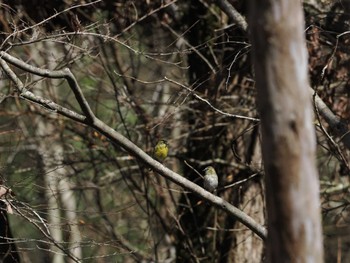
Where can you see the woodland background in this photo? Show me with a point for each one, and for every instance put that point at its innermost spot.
(174, 70)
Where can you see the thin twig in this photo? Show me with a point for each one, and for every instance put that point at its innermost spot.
(240, 182)
(235, 116)
(46, 20)
(134, 150)
(164, 5)
(45, 103)
(55, 74)
(46, 232)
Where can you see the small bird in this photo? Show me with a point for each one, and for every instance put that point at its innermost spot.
(161, 151)
(210, 179)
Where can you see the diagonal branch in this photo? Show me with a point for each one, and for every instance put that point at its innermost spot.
(233, 14)
(46, 103)
(337, 125)
(117, 138)
(55, 74)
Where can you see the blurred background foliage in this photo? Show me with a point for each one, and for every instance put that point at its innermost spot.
(178, 70)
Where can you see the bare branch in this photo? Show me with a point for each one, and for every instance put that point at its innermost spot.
(338, 126)
(44, 230)
(178, 179)
(56, 74)
(235, 116)
(233, 14)
(46, 20)
(47, 104)
(164, 5)
(122, 141)
(194, 49)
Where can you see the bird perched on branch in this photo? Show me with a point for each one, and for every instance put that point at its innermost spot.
(210, 179)
(161, 151)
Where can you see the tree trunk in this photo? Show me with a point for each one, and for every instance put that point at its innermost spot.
(280, 57)
(58, 187)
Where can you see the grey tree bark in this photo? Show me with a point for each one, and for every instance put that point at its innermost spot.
(280, 58)
(58, 190)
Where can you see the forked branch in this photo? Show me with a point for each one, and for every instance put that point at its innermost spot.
(90, 119)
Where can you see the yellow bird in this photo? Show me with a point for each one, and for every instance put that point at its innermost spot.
(210, 179)
(161, 151)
